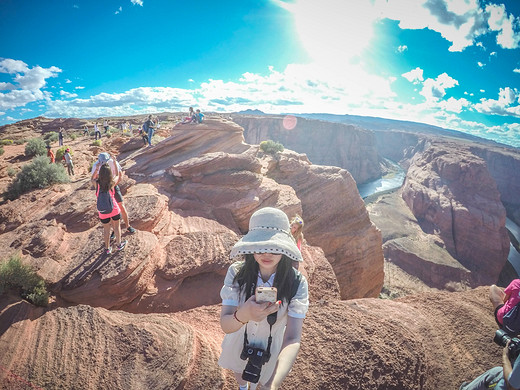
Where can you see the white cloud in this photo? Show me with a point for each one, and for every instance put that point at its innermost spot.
(480, 64)
(119, 10)
(435, 89)
(414, 76)
(12, 66)
(504, 24)
(516, 70)
(191, 80)
(79, 87)
(402, 48)
(138, 2)
(504, 105)
(27, 83)
(68, 94)
(67, 81)
(482, 90)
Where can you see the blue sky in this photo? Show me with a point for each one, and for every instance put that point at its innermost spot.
(449, 63)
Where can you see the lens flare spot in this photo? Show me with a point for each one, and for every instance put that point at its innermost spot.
(289, 122)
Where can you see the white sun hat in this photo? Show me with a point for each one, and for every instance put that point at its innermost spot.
(269, 232)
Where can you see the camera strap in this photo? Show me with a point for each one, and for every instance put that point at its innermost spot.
(271, 319)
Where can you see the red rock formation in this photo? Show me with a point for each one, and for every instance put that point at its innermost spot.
(452, 195)
(335, 220)
(325, 143)
(420, 341)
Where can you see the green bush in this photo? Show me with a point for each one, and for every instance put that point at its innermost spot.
(97, 142)
(51, 137)
(60, 152)
(2, 151)
(73, 136)
(6, 142)
(19, 141)
(39, 173)
(11, 171)
(35, 147)
(14, 275)
(271, 147)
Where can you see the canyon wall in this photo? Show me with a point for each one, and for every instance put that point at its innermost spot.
(325, 143)
(452, 194)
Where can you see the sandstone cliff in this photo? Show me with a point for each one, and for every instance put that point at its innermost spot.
(325, 143)
(453, 196)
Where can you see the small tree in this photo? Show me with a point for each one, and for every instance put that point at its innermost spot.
(61, 152)
(35, 147)
(271, 147)
(16, 276)
(51, 137)
(39, 173)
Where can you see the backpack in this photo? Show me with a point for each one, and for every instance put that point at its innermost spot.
(105, 204)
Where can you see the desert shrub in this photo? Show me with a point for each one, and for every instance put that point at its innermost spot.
(2, 151)
(35, 147)
(19, 141)
(16, 276)
(6, 142)
(39, 173)
(271, 147)
(11, 171)
(97, 142)
(60, 152)
(73, 136)
(51, 137)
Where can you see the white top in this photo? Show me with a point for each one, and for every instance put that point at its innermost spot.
(258, 332)
(113, 164)
(67, 157)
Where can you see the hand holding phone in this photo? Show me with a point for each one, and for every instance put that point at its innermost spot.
(266, 294)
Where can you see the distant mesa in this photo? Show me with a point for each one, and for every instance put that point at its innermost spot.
(251, 112)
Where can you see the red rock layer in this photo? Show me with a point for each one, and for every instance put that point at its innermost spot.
(452, 195)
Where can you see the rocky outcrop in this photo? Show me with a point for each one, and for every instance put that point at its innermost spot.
(325, 143)
(190, 197)
(335, 220)
(419, 341)
(452, 195)
(504, 166)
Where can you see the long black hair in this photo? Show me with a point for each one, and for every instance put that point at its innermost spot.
(283, 280)
(105, 179)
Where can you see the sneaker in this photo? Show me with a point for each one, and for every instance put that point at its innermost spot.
(131, 230)
(112, 236)
(108, 251)
(121, 246)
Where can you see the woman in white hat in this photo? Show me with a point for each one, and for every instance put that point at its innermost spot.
(252, 329)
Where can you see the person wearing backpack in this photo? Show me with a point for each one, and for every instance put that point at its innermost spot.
(108, 209)
(263, 338)
(117, 172)
(504, 303)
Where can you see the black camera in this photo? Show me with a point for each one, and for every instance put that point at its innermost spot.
(256, 358)
(501, 338)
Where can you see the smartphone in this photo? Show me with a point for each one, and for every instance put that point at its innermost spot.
(266, 294)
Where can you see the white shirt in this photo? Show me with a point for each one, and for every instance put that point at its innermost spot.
(258, 332)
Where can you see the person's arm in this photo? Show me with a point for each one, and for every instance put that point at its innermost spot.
(288, 353)
(507, 367)
(232, 317)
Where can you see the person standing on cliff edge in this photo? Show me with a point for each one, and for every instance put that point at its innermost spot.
(263, 335)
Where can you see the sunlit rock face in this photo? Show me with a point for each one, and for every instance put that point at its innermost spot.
(325, 143)
(452, 195)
